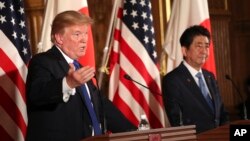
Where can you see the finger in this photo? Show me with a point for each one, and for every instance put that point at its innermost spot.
(86, 78)
(86, 70)
(71, 67)
(87, 73)
(73, 78)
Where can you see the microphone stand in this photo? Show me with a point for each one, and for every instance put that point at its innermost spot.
(129, 78)
(238, 91)
(126, 76)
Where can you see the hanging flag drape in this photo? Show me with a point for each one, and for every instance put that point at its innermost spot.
(14, 55)
(133, 53)
(186, 13)
(53, 7)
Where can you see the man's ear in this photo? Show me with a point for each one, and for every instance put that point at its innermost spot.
(184, 51)
(58, 39)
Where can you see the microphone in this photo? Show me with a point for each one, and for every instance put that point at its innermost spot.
(238, 91)
(126, 76)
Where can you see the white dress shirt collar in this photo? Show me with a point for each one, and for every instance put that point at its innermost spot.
(69, 60)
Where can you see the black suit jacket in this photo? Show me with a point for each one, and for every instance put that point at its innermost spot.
(185, 104)
(49, 117)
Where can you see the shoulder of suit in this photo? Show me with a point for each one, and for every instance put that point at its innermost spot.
(207, 73)
(176, 73)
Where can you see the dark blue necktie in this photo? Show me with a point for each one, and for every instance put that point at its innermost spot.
(204, 91)
(89, 105)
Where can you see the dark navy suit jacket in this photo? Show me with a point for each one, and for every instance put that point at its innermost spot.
(185, 104)
(49, 117)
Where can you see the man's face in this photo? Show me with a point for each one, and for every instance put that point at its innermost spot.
(73, 41)
(198, 52)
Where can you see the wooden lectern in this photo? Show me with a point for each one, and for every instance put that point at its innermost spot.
(221, 133)
(179, 133)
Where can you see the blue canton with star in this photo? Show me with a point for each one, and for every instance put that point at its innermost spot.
(138, 18)
(12, 23)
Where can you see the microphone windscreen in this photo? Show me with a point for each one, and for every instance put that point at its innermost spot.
(127, 77)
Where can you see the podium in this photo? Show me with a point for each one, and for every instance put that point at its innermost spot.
(221, 133)
(180, 133)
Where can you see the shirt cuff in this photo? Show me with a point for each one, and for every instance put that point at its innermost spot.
(66, 90)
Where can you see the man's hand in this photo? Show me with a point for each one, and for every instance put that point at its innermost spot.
(80, 76)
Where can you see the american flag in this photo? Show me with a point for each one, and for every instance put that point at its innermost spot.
(133, 53)
(14, 55)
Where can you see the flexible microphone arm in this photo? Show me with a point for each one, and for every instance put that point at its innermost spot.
(126, 76)
(129, 78)
(238, 91)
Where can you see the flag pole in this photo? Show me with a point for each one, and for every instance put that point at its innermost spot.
(106, 50)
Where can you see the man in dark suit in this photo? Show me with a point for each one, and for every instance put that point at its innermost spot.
(189, 98)
(57, 89)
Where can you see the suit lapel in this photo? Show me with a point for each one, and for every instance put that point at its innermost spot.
(190, 82)
(65, 67)
(93, 95)
(208, 79)
(209, 83)
(61, 60)
(192, 86)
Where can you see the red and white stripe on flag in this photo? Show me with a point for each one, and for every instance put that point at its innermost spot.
(15, 54)
(133, 53)
(13, 119)
(54, 7)
(185, 14)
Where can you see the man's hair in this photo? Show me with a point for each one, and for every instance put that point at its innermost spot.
(188, 35)
(67, 19)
